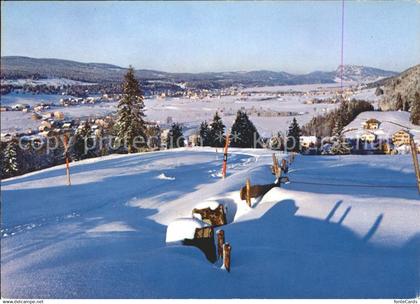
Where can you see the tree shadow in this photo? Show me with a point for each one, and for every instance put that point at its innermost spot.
(311, 258)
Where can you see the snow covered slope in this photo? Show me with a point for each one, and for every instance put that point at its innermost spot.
(390, 122)
(104, 237)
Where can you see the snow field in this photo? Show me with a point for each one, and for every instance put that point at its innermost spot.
(105, 236)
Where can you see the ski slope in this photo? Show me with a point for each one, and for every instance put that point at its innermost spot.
(320, 236)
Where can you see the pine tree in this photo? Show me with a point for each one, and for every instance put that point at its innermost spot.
(205, 134)
(406, 106)
(340, 145)
(217, 129)
(153, 134)
(338, 125)
(175, 137)
(399, 103)
(130, 124)
(244, 134)
(83, 142)
(293, 137)
(10, 164)
(379, 91)
(415, 109)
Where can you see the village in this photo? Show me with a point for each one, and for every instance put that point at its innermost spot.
(366, 135)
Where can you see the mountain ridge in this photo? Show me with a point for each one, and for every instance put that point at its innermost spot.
(13, 67)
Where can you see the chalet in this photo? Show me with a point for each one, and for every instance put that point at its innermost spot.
(368, 137)
(45, 125)
(36, 116)
(193, 140)
(20, 106)
(58, 115)
(67, 125)
(401, 137)
(307, 142)
(47, 115)
(371, 124)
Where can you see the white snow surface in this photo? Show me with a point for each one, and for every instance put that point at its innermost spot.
(183, 228)
(390, 122)
(105, 236)
(191, 112)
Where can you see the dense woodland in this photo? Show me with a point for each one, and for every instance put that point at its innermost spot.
(323, 125)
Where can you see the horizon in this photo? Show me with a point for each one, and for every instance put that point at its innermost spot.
(203, 72)
(197, 37)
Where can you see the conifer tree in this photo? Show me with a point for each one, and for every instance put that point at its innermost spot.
(217, 129)
(338, 125)
(293, 136)
(205, 134)
(130, 124)
(83, 142)
(399, 105)
(175, 137)
(415, 109)
(244, 134)
(406, 106)
(10, 164)
(340, 145)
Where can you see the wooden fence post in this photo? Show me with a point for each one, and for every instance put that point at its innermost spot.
(65, 142)
(415, 161)
(276, 169)
(220, 242)
(248, 192)
(225, 155)
(284, 167)
(226, 256)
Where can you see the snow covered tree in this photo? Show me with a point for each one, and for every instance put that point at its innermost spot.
(293, 136)
(205, 134)
(175, 137)
(338, 125)
(244, 134)
(153, 136)
(10, 164)
(415, 109)
(130, 126)
(340, 145)
(217, 129)
(83, 142)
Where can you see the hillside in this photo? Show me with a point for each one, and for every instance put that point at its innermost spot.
(14, 67)
(391, 122)
(104, 237)
(405, 84)
(362, 74)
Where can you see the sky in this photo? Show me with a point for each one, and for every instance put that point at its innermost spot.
(296, 37)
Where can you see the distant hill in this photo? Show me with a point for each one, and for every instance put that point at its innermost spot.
(15, 67)
(362, 74)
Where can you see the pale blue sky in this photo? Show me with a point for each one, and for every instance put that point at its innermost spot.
(295, 37)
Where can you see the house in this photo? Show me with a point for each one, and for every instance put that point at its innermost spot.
(45, 125)
(307, 142)
(368, 137)
(371, 124)
(401, 137)
(46, 115)
(194, 140)
(58, 115)
(20, 106)
(67, 125)
(35, 116)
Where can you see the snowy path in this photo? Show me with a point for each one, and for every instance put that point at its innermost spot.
(104, 237)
